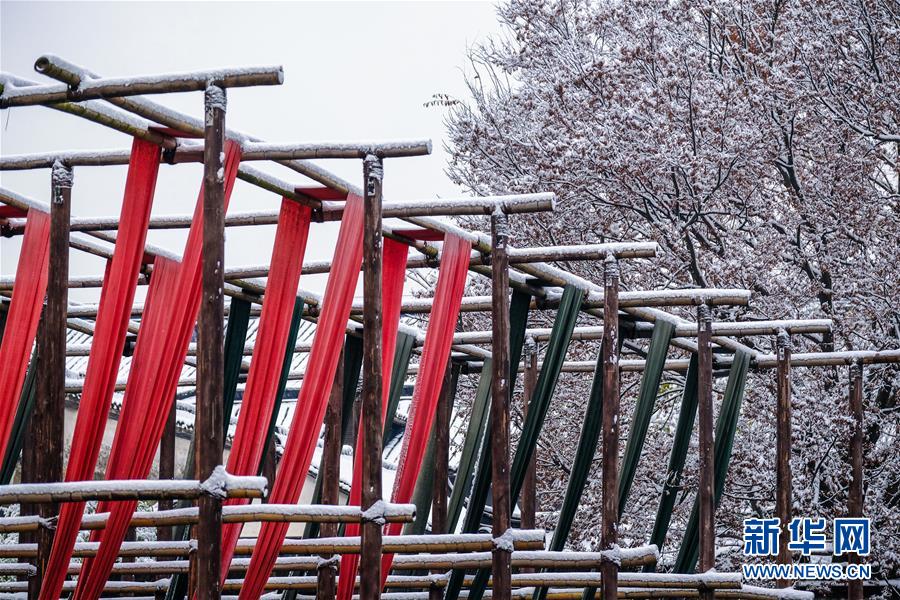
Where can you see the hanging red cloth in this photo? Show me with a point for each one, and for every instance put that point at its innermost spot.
(153, 382)
(393, 276)
(24, 314)
(314, 393)
(271, 338)
(435, 354)
(116, 299)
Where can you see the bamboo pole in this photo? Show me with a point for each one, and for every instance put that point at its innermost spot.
(705, 495)
(856, 496)
(783, 448)
(220, 484)
(632, 557)
(609, 569)
(370, 552)
(117, 87)
(250, 151)
(210, 348)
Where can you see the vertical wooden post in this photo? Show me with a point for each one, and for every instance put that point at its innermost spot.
(609, 569)
(330, 476)
(783, 447)
(502, 509)
(269, 464)
(49, 411)
(211, 348)
(167, 469)
(856, 497)
(529, 485)
(370, 550)
(705, 427)
(442, 452)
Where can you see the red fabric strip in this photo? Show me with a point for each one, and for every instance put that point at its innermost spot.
(393, 276)
(314, 393)
(271, 337)
(24, 314)
(435, 354)
(116, 299)
(12, 212)
(153, 382)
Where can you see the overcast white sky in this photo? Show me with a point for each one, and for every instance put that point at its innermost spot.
(352, 71)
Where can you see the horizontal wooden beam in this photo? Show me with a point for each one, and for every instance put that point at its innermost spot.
(188, 152)
(220, 484)
(140, 85)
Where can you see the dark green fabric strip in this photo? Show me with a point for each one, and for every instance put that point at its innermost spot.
(643, 410)
(235, 339)
(20, 423)
(353, 356)
(726, 428)
(518, 323)
(560, 336)
(581, 467)
(423, 494)
(680, 445)
(398, 379)
(474, 434)
(293, 331)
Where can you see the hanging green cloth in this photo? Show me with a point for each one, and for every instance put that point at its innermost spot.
(560, 336)
(293, 331)
(726, 427)
(353, 358)
(643, 410)
(423, 494)
(474, 434)
(27, 399)
(680, 445)
(402, 353)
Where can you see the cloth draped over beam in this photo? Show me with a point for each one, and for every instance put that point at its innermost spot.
(314, 392)
(726, 428)
(152, 383)
(560, 336)
(393, 276)
(116, 298)
(451, 285)
(22, 321)
(681, 442)
(258, 401)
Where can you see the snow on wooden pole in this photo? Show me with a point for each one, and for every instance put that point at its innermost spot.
(856, 498)
(370, 559)
(500, 392)
(609, 436)
(210, 348)
(705, 427)
(117, 87)
(219, 484)
(783, 447)
(250, 151)
(49, 415)
(330, 477)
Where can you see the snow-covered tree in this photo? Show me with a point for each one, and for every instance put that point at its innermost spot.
(757, 143)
